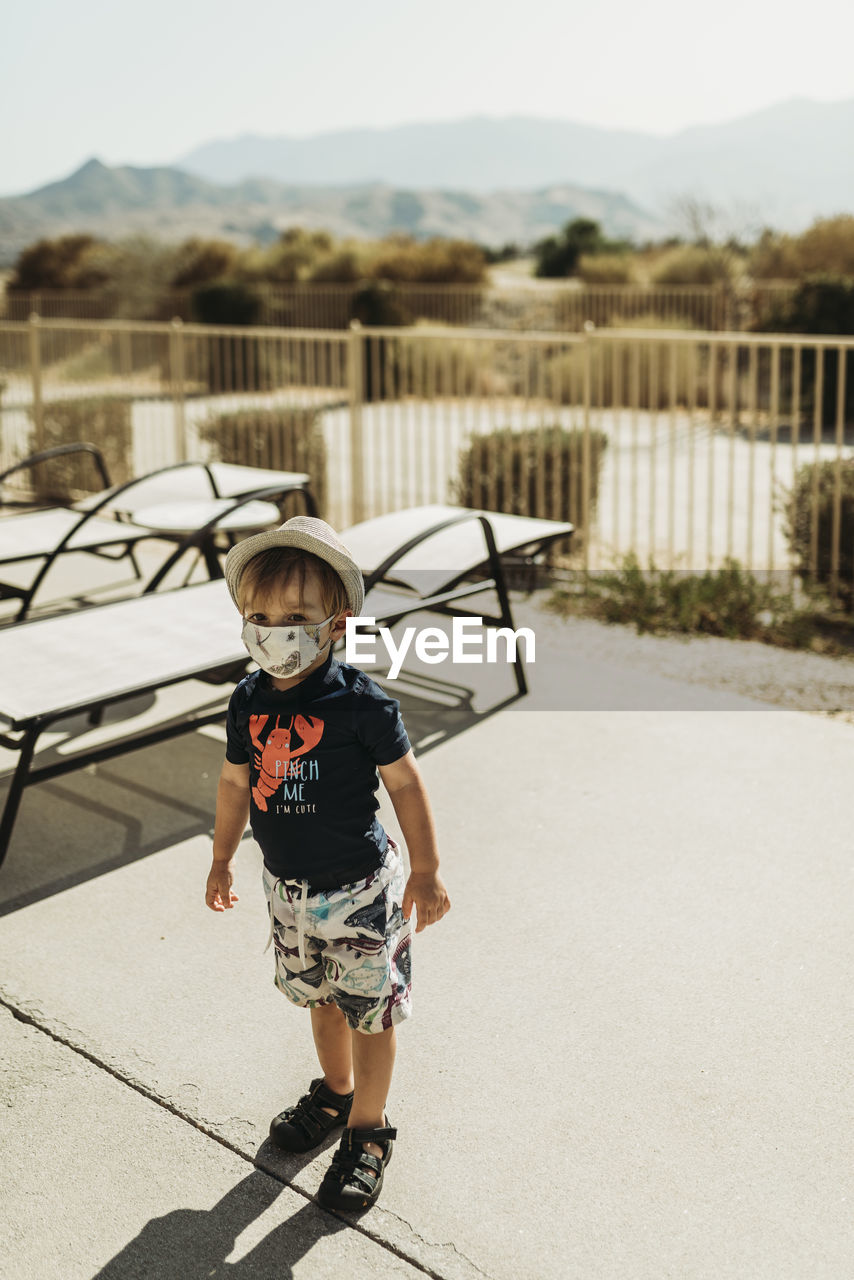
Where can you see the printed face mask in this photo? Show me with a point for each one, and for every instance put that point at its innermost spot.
(284, 651)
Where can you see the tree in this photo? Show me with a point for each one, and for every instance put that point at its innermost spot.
(65, 263)
(558, 255)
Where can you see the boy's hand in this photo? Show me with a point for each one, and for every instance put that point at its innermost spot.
(427, 893)
(219, 895)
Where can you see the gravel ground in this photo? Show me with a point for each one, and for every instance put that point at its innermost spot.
(799, 681)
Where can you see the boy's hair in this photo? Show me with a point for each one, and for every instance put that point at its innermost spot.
(275, 568)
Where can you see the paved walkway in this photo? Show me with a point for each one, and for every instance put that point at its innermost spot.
(632, 1043)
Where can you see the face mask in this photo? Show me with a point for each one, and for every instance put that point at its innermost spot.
(284, 651)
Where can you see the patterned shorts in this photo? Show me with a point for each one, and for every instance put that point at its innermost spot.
(348, 946)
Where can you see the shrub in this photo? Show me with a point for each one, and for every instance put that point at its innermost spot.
(226, 302)
(501, 471)
(288, 438)
(605, 268)
(826, 246)
(634, 372)
(558, 256)
(340, 267)
(230, 363)
(728, 602)
(820, 305)
(64, 263)
(435, 261)
(809, 507)
(198, 262)
(693, 264)
(104, 421)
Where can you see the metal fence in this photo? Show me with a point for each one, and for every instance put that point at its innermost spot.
(686, 448)
(547, 306)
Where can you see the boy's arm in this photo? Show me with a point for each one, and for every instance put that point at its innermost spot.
(424, 888)
(232, 815)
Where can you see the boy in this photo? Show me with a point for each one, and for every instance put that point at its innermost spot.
(305, 738)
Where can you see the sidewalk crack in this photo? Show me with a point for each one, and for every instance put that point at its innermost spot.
(472, 1270)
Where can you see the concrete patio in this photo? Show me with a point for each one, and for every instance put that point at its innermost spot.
(630, 1056)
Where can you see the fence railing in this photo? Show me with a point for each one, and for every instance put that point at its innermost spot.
(545, 306)
(686, 448)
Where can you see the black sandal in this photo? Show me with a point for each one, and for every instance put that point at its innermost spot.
(306, 1125)
(354, 1178)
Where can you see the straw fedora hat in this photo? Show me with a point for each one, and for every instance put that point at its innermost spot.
(307, 533)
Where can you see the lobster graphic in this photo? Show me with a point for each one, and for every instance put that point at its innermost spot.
(273, 756)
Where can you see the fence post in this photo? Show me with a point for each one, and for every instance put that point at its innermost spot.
(36, 377)
(355, 386)
(589, 338)
(176, 371)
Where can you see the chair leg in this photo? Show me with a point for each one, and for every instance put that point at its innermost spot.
(19, 781)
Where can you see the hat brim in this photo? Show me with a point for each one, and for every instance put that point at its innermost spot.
(306, 533)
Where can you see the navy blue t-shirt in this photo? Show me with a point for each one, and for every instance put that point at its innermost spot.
(313, 752)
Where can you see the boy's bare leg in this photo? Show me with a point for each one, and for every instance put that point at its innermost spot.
(333, 1042)
(373, 1064)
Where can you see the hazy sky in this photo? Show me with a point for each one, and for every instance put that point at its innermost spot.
(143, 84)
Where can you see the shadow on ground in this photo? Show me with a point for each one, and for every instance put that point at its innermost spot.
(193, 1244)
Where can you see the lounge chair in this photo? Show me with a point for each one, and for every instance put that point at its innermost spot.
(427, 559)
(164, 638)
(104, 524)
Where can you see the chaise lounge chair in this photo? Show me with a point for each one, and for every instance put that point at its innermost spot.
(187, 503)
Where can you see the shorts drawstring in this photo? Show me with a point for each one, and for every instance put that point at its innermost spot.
(303, 908)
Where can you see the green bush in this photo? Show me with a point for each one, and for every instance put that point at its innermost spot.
(729, 602)
(501, 471)
(808, 508)
(281, 439)
(725, 602)
(821, 305)
(104, 421)
(558, 256)
(226, 302)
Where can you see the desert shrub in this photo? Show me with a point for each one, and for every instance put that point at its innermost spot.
(104, 421)
(826, 246)
(633, 371)
(435, 261)
(342, 266)
(808, 512)
(693, 264)
(377, 304)
(229, 363)
(605, 268)
(501, 471)
(729, 602)
(63, 263)
(820, 305)
(226, 302)
(288, 438)
(197, 262)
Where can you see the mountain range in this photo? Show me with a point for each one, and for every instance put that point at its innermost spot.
(173, 204)
(782, 166)
(489, 180)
